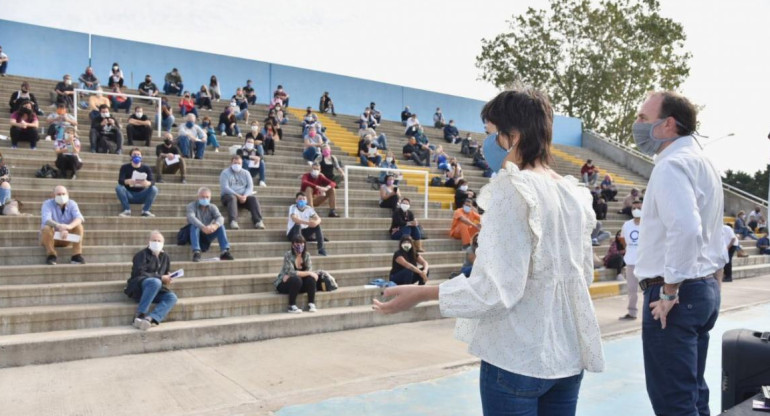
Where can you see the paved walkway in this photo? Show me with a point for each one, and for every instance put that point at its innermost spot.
(258, 378)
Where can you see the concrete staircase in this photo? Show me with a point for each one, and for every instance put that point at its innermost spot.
(67, 312)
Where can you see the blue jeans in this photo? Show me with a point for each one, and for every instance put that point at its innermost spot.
(509, 394)
(151, 293)
(311, 153)
(675, 357)
(211, 139)
(219, 234)
(184, 112)
(5, 195)
(170, 89)
(125, 105)
(365, 160)
(413, 232)
(259, 171)
(3, 67)
(467, 271)
(145, 196)
(167, 123)
(382, 141)
(184, 146)
(223, 128)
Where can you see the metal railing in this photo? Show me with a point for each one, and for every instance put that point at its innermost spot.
(79, 91)
(753, 198)
(368, 169)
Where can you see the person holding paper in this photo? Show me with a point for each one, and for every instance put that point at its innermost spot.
(61, 225)
(150, 283)
(68, 153)
(168, 161)
(206, 222)
(136, 185)
(252, 160)
(237, 189)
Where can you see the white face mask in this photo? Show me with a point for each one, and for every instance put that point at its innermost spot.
(463, 187)
(156, 246)
(637, 213)
(236, 168)
(406, 246)
(314, 173)
(62, 199)
(68, 82)
(389, 159)
(255, 129)
(139, 114)
(405, 207)
(106, 115)
(249, 146)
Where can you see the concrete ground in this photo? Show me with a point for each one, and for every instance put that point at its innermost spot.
(262, 377)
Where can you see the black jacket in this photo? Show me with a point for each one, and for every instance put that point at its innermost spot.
(146, 266)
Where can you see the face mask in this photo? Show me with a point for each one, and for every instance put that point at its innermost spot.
(494, 153)
(389, 159)
(314, 173)
(249, 146)
(138, 114)
(62, 199)
(466, 208)
(136, 159)
(68, 82)
(189, 124)
(301, 204)
(406, 246)
(167, 142)
(106, 115)
(389, 182)
(61, 111)
(644, 139)
(204, 202)
(147, 80)
(115, 68)
(326, 153)
(404, 207)
(637, 213)
(156, 246)
(255, 128)
(311, 134)
(463, 188)
(298, 247)
(24, 90)
(236, 168)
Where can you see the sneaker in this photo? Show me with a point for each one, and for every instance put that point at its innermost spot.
(48, 138)
(226, 255)
(311, 307)
(159, 180)
(138, 318)
(125, 214)
(234, 225)
(620, 278)
(196, 256)
(216, 150)
(142, 324)
(262, 184)
(294, 309)
(333, 213)
(77, 259)
(50, 260)
(322, 252)
(119, 152)
(74, 177)
(259, 225)
(148, 214)
(184, 181)
(627, 317)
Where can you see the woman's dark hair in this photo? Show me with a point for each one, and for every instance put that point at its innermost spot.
(407, 200)
(529, 113)
(213, 80)
(299, 239)
(412, 252)
(460, 183)
(681, 109)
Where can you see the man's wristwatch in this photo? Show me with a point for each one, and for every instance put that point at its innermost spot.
(664, 296)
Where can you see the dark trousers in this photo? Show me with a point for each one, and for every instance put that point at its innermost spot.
(390, 202)
(601, 211)
(3, 67)
(421, 158)
(28, 135)
(269, 145)
(627, 211)
(138, 133)
(406, 277)
(297, 285)
(231, 206)
(609, 194)
(307, 233)
(94, 136)
(728, 277)
(161, 168)
(616, 262)
(67, 164)
(675, 357)
(414, 232)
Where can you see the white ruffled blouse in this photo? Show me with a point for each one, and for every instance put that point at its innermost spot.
(526, 303)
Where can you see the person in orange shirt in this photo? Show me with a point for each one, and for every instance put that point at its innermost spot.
(466, 223)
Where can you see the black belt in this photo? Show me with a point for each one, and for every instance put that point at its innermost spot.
(655, 281)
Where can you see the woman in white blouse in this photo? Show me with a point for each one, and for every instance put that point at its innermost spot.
(526, 309)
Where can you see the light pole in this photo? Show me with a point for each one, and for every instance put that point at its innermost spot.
(718, 139)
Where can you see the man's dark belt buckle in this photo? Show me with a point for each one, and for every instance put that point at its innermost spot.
(644, 284)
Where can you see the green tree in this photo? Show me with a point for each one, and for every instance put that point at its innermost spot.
(596, 60)
(755, 185)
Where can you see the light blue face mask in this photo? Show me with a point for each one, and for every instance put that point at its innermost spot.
(494, 153)
(645, 140)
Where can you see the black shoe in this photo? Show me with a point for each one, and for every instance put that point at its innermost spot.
(226, 255)
(322, 252)
(196, 256)
(727, 280)
(333, 214)
(77, 259)
(627, 317)
(326, 239)
(159, 180)
(50, 260)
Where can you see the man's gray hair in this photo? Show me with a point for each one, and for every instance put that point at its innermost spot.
(153, 232)
(203, 189)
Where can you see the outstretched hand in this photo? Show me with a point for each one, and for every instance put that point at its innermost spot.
(404, 298)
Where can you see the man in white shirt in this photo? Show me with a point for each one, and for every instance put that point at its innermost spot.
(754, 217)
(629, 236)
(679, 255)
(732, 245)
(304, 220)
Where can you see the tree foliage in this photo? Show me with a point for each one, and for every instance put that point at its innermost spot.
(596, 60)
(755, 185)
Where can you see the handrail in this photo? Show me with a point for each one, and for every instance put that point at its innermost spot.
(752, 197)
(421, 172)
(141, 97)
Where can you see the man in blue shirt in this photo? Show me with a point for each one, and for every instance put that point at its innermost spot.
(61, 225)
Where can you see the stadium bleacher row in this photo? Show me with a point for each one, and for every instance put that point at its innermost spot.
(66, 312)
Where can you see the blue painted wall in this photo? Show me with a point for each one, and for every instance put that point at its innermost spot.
(34, 54)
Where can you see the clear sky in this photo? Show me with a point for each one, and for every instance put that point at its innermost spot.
(432, 44)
